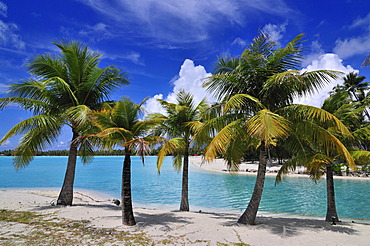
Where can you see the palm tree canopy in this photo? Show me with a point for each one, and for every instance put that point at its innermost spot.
(119, 124)
(254, 86)
(267, 73)
(61, 90)
(62, 81)
(178, 124)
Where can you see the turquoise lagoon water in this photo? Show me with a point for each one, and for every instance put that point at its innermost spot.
(207, 190)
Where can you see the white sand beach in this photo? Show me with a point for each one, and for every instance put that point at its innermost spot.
(95, 220)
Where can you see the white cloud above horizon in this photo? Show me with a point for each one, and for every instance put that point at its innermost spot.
(359, 45)
(97, 32)
(315, 52)
(275, 31)
(189, 79)
(3, 9)
(329, 62)
(8, 144)
(133, 56)
(8, 31)
(196, 18)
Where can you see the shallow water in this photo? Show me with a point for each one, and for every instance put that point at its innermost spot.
(207, 190)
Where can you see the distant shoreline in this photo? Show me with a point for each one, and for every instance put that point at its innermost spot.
(247, 168)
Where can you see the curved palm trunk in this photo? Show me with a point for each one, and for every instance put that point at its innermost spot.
(127, 212)
(249, 215)
(331, 213)
(184, 206)
(66, 193)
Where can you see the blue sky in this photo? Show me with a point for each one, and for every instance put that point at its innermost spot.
(168, 45)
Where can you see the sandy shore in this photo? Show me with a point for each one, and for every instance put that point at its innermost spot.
(95, 220)
(219, 165)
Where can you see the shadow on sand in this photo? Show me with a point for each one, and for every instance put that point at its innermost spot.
(284, 227)
(289, 227)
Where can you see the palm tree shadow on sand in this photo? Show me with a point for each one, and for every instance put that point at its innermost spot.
(290, 227)
(285, 227)
(161, 219)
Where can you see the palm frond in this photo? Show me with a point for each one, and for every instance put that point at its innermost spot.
(40, 122)
(224, 136)
(35, 106)
(317, 165)
(171, 146)
(297, 113)
(325, 140)
(268, 126)
(39, 136)
(242, 102)
(361, 157)
(79, 114)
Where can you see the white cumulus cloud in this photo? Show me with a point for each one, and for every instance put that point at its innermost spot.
(354, 46)
(330, 62)
(190, 79)
(275, 31)
(315, 52)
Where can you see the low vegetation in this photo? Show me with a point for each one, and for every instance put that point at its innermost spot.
(31, 228)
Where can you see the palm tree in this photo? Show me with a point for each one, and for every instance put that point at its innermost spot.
(255, 85)
(61, 90)
(349, 103)
(178, 125)
(314, 143)
(119, 125)
(355, 86)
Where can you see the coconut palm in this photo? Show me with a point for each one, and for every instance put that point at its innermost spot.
(61, 90)
(256, 84)
(119, 125)
(349, 103)
(314, 142)
(355, 85)
(177, 124)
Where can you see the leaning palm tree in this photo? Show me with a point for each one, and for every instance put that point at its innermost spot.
(177, 124)
(61, 90)
(119, 125)
(255, 85)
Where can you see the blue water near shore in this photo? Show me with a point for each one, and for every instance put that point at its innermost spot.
(207, 190)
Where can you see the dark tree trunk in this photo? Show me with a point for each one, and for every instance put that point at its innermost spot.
(184, 206)
(66, 193)
(249, 215)
(127, 212)
(331, 213)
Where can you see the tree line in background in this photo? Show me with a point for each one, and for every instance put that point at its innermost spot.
(112, 152)
(254, 118)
